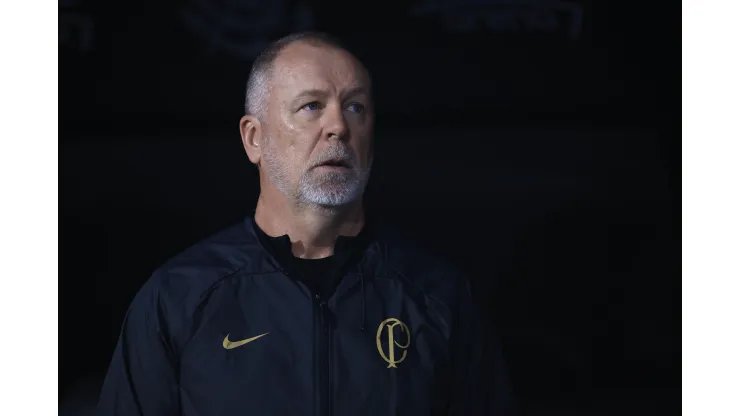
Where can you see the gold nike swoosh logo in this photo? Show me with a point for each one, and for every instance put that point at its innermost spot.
(229, 345)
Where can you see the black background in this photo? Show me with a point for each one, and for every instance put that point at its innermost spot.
(539, 154)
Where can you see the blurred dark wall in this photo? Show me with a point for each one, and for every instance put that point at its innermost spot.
(541, 139)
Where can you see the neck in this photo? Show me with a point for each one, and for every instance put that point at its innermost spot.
(312, 230)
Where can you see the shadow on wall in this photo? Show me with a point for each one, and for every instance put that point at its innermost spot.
(81, 398)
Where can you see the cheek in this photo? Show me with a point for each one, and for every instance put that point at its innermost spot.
(297, 157)
(299, 141)
(363, 146)
(285, 152)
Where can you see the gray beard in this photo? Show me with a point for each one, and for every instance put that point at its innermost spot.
(315, 188)
(332, 189)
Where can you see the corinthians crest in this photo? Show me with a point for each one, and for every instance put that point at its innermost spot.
(397, 337)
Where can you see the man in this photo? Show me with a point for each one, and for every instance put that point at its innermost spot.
(311, 307)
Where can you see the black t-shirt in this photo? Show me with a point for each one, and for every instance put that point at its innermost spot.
(321, 276)
(315, 272)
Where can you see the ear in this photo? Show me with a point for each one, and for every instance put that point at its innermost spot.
(251, 131)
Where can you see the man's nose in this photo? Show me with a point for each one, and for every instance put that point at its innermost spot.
(336, 126)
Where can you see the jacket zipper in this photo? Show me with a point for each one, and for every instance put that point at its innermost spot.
(322, 357)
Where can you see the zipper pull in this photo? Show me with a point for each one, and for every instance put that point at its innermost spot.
(321, 301)
(322, 304)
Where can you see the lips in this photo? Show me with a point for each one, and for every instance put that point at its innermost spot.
(335, 163)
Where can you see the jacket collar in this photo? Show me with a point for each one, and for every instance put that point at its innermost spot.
(348, 251)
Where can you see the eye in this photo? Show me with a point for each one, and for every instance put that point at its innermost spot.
(356, 107)
(312, 106)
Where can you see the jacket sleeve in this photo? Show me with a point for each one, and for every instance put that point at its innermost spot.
(480, 379)
(142, 378)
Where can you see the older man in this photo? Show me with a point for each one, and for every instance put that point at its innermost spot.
(309, 306)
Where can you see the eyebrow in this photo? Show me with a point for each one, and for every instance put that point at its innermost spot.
(359, 90)
(314, 92)
(309, 93)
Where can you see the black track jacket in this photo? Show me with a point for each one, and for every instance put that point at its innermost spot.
(226, 328)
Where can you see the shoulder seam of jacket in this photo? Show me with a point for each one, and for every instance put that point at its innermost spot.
(205, 294)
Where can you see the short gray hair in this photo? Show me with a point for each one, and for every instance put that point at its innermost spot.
(259, 76)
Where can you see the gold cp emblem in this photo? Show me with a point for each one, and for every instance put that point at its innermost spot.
(391, 323)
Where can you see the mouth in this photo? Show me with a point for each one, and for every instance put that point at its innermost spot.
(335, 163)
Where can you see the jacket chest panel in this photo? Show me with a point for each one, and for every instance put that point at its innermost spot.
(253, 346)
(401, 356)
(257, 342)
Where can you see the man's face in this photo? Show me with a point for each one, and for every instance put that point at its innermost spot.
(318, 131)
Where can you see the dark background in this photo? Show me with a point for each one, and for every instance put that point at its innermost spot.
(534, 143)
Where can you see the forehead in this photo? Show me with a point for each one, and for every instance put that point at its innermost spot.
(303, 66)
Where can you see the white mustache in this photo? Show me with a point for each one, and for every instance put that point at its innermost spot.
(344, 154)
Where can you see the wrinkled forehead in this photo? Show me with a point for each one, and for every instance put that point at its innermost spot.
(302, 66)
